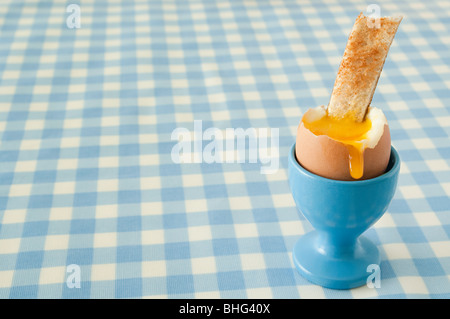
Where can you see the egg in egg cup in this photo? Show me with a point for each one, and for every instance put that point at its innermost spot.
(336, 254)
(343, 170)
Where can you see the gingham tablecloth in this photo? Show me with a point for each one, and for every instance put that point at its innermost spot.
(86, 174)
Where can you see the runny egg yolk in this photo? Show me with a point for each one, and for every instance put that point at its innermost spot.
(350, 133)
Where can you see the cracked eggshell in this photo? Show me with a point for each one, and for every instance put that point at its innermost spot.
(329, 158)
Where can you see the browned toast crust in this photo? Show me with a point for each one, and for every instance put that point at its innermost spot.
(361, 66)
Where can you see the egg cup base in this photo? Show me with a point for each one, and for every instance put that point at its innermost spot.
(345, 271)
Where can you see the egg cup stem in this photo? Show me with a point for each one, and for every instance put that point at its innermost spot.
(336, 254)
(335, 246)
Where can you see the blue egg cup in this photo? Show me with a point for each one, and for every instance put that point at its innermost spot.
(336, 255)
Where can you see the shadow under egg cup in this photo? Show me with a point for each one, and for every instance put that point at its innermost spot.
(336, 255)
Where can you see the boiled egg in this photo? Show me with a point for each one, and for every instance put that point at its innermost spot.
(343, 149)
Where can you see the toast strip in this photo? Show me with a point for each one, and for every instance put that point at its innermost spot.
(361, 66)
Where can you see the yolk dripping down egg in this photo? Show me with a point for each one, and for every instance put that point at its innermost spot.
(343, 149)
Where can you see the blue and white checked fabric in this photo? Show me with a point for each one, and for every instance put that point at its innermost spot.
(86, 175)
